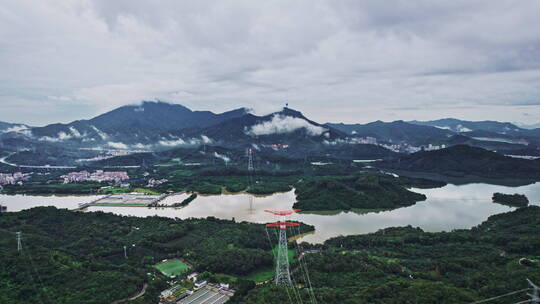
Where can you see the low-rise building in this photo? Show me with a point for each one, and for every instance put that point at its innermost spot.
(98, 176)
(13, 178)
(193, 276)
(156, 182)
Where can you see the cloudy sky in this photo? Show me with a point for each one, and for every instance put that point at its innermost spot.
(351, 61)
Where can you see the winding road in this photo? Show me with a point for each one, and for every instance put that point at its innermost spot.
(138, 295)
(4, 161)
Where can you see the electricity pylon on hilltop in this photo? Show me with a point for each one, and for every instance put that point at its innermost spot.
(19, 243)
(283, 275)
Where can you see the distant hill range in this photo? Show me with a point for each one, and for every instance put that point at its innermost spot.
(463, 160)
(134, 125)
(486, 130)
(6, 127)
(460, 126)
(154, 126)
(396, 131)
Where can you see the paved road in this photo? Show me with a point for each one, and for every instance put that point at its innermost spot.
(138, 295)
(4, 161)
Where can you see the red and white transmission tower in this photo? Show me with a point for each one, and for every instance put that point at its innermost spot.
(283, 275)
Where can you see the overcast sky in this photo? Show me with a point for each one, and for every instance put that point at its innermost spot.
(350, 61)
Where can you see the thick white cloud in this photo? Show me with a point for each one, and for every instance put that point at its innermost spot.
(176, 141)
(335, 60)
(172, 142)
(17, 128)
(280, 124)
(117, 145)
(223, 157)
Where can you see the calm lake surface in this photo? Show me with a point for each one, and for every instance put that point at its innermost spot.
(447, 208)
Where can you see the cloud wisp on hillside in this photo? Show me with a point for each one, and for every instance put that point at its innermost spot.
(280, 124)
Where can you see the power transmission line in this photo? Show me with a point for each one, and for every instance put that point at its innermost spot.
(303, 263)
(526, 301)
(534, 296)
(501, 296)
(33, 266)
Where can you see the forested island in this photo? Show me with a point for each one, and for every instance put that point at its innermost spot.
(463, 160)
(379, 191)
(514, 200)
(186, 201)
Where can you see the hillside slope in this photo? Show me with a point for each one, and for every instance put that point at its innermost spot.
(463, 160)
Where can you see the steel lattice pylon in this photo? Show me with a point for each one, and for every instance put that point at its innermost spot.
(283, 275)
(19, 244)
(250, 159)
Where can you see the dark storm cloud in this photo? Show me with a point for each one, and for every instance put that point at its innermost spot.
(335, 60)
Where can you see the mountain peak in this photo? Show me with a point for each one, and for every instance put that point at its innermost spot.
(290, 112)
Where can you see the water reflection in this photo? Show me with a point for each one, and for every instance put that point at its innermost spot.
(20, 202)
(447, 208)
(227, 206)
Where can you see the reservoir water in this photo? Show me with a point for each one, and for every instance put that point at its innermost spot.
(446, 208)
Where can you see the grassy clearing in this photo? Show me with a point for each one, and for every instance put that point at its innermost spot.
(267, 273)
(120, 204)
(260, 275)
(145, 191)
(117, 190)
(172, 267)
(114, 190)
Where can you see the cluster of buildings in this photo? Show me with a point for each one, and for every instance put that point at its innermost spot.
(276, 147)
(406, 148)
(156, 182)
(401, 147)
(98, 176)
(202, 293)
(108, 154)
(365, 140)
(13, 178)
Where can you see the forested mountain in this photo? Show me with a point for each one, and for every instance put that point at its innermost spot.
(286, 127)
(396, 131)
(457, 125)
(12, 127)
(159, 126)
(463, 160)
(486, 130)
(135, 124)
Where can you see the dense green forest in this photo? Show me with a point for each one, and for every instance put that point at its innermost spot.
(514, 200)
(407, 265)
(76, 257)
(369, 191)
(462, 160)
(186, 201)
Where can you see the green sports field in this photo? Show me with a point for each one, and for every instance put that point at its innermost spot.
(172, 267)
